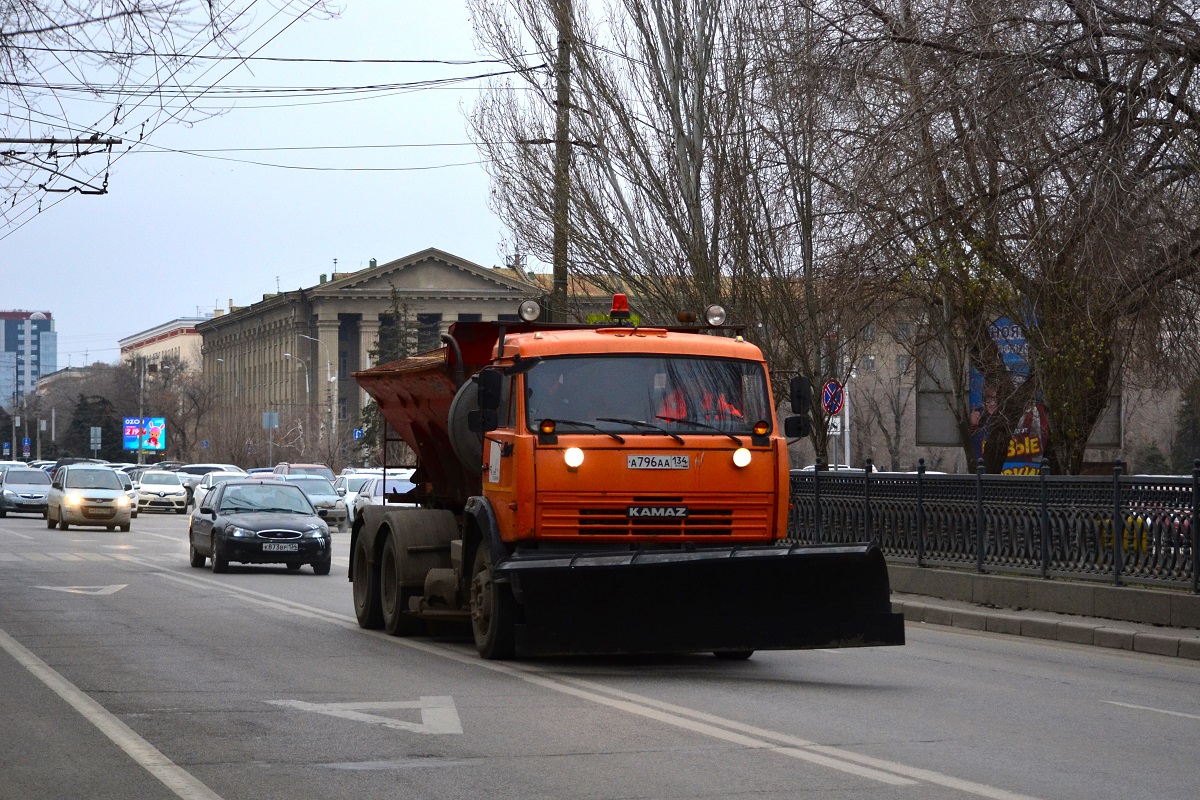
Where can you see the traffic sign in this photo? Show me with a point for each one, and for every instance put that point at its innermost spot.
(7, 448)
(832, 397)
(359, 433)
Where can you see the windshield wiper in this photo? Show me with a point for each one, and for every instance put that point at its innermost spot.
(596, 428)
(705, 425)
(641, 424)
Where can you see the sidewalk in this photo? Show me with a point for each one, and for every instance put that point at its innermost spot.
(1179, 642)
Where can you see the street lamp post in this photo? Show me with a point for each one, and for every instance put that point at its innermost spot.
(330, 383)
(300, 361)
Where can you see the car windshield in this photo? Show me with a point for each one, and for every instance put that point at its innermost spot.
(26, 477)
(355, 482)
(161, 479)
(215, 479)
(91, 479)
(263, 497)
(706, 396)
(324, 472)
(313, 486)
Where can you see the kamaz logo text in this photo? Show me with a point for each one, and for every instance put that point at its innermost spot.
(674, 512)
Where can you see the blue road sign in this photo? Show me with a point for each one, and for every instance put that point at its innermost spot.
(832, 397)
(359, 433)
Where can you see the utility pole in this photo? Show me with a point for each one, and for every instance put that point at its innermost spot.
(562, 160)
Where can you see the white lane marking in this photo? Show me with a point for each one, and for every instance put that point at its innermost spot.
(885, 771)
(9, 557)
(66, 556)
(11, 532)
(178, 780)
(94, 590)
(438, 714)
(37, 557)
(1148, 708)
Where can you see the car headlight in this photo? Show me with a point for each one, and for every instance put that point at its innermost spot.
(316, 532)
(240, 533)
(122, 502)
(72, 500)
(340, 504)
(9, 493)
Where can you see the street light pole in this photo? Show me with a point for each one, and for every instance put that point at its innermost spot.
(330, 382)
(300, 361)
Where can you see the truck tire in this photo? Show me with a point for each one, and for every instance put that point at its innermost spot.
(366, 589)
(393, 598)
(493, 610)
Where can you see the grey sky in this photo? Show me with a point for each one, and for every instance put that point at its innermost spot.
(178, 234)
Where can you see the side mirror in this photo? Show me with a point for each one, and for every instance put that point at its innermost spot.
(797, 427)
(208, 510)
(341, 492)
(56, 485)
(802, 395)
(489, 382)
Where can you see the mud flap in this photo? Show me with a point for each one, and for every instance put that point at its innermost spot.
(679, 601)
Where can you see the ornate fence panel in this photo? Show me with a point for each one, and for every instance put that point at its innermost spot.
(1136, 529)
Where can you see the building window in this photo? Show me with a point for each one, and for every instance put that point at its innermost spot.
(429, 328)
(903, 331)
(868, 332)
(868, 363)
(470, 317)
(343, 409)
(902, 363)
(507, 318)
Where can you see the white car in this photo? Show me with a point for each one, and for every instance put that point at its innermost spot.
(371, 493)
(87, 494)
(159, 490)
(208, 482)
(352, 481)
(130, 492)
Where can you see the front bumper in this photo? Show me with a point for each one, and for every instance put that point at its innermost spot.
(251, 551)
(95, 514)
(152, 502)
(23, 505)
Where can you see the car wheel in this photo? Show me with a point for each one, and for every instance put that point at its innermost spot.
(125, 528)
(110, 527)
(195, 558)
(294, 566)
(133, 515)
(393, 598)
(50, 523)
(366, 589)
(181, 511)
(493, 610)
(3, 512)
(322, 567)
(63, 525)
(219, 564)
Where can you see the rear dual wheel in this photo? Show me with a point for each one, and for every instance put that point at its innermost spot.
(393, 598)
(365, 582)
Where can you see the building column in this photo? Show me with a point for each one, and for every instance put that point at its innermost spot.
(327, 353)
(368, 339)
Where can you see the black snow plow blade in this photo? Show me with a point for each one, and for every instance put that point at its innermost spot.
(721, 600)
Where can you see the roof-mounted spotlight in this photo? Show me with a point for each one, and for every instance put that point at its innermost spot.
(529, 311)
(686, 317)
(715, 316)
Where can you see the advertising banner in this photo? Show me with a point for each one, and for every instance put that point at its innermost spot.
(152, 432)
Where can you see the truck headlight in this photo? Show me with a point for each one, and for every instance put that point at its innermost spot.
(573, 456)
(741, 457)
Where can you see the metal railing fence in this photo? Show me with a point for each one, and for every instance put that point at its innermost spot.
(1121, 529)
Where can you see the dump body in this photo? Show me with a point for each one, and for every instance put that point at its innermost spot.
(629, 495)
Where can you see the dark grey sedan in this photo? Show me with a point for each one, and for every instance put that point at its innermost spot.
(259, 522)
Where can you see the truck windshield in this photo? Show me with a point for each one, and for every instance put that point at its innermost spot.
(697, 396)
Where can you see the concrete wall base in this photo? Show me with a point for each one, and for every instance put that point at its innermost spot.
(1175, 609)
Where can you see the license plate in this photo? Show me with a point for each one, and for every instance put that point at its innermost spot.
(658, 462)
(287, 547)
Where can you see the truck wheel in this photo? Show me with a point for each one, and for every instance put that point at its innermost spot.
(366, 589)
(393, 598)
(493, 610)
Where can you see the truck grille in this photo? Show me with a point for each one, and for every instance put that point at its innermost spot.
(645, 517)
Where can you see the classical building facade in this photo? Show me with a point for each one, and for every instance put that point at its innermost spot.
(295, 352)
(175, 341)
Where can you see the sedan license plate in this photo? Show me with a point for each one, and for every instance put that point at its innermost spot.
(287, 547)
(658, 462)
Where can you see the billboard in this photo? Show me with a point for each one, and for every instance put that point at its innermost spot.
(150, 433)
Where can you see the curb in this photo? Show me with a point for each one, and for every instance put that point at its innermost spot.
(1056, 627)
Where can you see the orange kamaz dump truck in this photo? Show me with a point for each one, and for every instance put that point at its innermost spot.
(602, 489)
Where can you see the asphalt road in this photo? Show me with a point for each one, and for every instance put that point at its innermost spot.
(125, 673)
